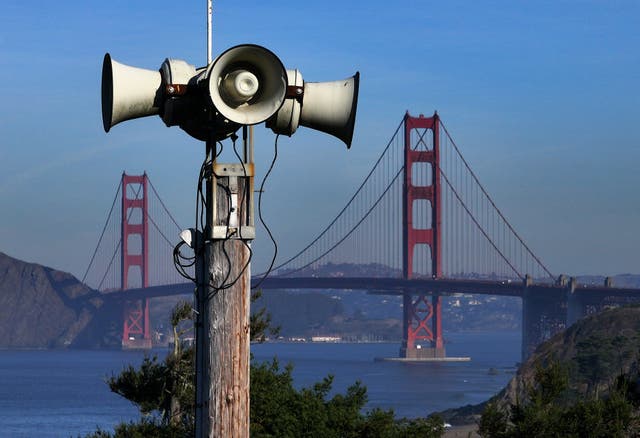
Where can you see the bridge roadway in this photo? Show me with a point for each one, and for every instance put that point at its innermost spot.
(393, 286)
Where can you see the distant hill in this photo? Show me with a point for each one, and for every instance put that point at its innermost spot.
(307, 314)
(39, 308)
(620, 280)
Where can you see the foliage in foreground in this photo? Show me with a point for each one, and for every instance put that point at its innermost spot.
(163, 391)
(278, 409)
(547, 413)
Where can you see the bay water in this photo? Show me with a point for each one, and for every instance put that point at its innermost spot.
(62, 393)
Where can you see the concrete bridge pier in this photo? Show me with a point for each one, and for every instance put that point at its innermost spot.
(544, 313)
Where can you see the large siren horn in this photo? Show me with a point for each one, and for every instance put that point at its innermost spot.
(128, 92)
(324, 106)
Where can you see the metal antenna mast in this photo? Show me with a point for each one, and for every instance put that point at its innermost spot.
(209, 31)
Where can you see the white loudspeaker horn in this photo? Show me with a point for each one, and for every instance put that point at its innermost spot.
(324, 106)
(128, 92)
(247, 84)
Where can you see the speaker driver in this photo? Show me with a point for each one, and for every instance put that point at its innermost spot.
(247, 84)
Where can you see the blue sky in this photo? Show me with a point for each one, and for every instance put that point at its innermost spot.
(542, 97)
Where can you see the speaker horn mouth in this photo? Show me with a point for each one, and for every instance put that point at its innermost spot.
(247, 84)
(352, 117)
(107, 92)
(128, 92)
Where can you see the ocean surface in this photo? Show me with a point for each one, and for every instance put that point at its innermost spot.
(62, 393)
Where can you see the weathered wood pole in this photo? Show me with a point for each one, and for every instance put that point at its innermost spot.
(227, 328)
(222, 351)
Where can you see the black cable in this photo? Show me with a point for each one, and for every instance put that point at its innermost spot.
(178, 265)
(348, 204)
(225, 284)
(246, 186)
(201, 208)
(199, 211)
(266, 227)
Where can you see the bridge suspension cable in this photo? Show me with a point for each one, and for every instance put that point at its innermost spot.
(104, 228)
(495, 207)
(119, 244)
(370, 220)
(109, 246)
(475, 221)
(373, 206)
(344, 209)
(163, 205)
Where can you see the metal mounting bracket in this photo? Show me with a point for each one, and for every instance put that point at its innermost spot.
(232, 215)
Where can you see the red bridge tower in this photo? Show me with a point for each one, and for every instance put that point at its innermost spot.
(134, 257)
(422, 312)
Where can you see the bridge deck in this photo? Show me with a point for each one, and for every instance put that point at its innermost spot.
(387, 286)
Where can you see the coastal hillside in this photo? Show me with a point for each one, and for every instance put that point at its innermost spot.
(39, 306)
(594, 352)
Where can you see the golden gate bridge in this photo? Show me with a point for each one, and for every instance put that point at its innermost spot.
(420, 225)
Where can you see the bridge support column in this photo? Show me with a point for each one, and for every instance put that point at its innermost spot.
(136, 331)
(544, 313)
(576, 306)
(422, 313)
(422, 333)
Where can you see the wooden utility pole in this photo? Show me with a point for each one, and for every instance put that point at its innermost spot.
(223, 302)
(225, 357)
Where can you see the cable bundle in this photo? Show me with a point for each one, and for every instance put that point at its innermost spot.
(183, 263)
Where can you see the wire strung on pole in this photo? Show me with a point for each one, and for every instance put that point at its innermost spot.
(342, 212)
(182, 262)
